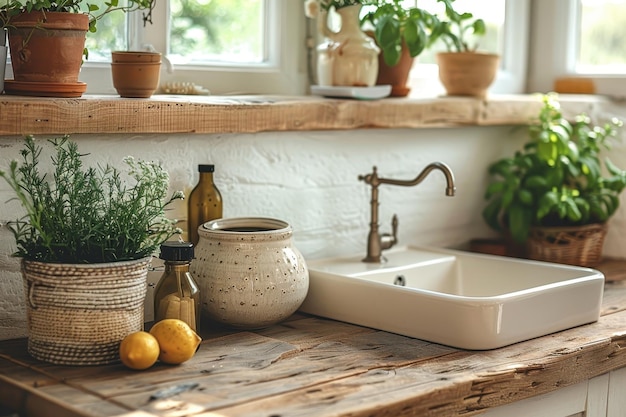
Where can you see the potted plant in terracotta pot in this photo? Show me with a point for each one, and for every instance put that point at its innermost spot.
(555, 195)
(402, 34)
(463, 70)
(39, 30)
(85, 241)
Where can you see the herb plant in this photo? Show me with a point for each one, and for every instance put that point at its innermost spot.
(558, 178)
(454, 32)
(395, 24)
(88, 215)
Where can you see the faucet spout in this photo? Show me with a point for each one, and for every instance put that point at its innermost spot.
(376, 241)
(445, 169)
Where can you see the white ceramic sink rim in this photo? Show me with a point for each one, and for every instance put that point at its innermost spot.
(475, 311)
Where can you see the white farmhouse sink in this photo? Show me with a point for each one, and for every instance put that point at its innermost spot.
(455, 298)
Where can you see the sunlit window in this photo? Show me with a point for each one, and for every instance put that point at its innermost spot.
(217, 31)
(602, 49)
(200, 32)
(111, 35)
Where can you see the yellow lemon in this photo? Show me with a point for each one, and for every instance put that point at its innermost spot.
(177, 341)
(139, 350)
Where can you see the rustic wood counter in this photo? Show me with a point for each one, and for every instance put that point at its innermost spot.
(309, 366)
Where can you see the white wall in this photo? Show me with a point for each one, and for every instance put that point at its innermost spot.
(310, 180)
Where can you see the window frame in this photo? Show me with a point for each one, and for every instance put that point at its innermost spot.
(554, 45)
(283, 73)
(511, 77)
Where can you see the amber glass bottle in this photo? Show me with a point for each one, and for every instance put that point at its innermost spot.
(177, 295)
(204, 204)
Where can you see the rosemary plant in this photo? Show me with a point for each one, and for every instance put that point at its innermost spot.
(88, 215)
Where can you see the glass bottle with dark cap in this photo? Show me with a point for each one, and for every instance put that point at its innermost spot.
(177, 295)
(204, 204)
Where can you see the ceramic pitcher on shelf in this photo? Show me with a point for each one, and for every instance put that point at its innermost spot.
(347, 57)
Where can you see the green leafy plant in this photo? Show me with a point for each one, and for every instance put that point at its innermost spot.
(454, 32)
(87, 215)
(394, 24)
(11, 8)
(558, 178)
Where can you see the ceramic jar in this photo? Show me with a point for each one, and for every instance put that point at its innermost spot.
(249, 272)
(348, 57)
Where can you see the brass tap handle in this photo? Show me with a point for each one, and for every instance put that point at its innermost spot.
(388, 240)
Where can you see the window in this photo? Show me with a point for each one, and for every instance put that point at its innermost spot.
(507, 34)
(226, 46)
(579, 38)
(601, 48)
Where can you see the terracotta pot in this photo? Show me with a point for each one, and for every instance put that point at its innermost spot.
(136, 74)
(249, 272)
(398, 75)
(47, 47)
(467, 73)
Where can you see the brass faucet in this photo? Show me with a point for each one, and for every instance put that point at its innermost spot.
(377, 242)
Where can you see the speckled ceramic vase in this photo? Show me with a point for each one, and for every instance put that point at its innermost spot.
(250, 274)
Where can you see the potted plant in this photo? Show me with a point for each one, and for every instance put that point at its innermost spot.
(402, 34)
(555, 195)
(462, 69)
(47, 42)
(85, 242)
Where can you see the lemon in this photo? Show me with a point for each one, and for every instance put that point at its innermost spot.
(177, 341)
(139, 350)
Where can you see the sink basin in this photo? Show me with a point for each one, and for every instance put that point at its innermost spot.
(455, 298)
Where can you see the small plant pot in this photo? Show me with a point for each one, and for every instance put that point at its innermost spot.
(135, 74)
(467, 73)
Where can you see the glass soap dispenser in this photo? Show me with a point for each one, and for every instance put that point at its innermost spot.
(204, 204)
(177, 295)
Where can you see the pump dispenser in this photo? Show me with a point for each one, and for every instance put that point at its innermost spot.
(177, 295)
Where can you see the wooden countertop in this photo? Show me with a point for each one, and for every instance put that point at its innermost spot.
(316, 367)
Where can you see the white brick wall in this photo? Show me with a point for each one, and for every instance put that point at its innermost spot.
(310, 180)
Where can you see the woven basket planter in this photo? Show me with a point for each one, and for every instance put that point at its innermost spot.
(78, 314)
(581, 246)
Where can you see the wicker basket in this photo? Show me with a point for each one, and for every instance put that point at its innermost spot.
(581, 246)
(78, 314)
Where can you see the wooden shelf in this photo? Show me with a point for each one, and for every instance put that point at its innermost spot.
(245, 114)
